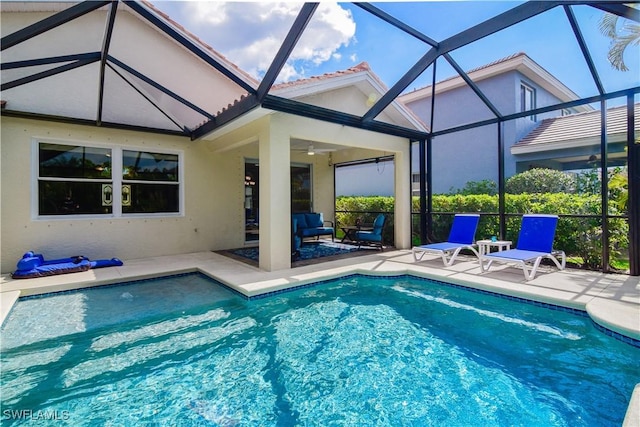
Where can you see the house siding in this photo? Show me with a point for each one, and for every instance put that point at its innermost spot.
(475, 151)
(205, 224)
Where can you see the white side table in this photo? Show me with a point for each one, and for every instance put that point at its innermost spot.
(484, 246)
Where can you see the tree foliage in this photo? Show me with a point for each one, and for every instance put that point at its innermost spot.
(579, 233)
(622, 34)
(540, 181)
(486, 186)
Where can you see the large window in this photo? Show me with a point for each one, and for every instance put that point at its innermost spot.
(74, 180)
(88, 180)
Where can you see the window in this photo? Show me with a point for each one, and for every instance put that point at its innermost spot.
(89, 180)
(149, 182)
(72, 180)
(527, 99)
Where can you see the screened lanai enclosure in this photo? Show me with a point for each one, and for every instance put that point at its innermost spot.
(518, 107)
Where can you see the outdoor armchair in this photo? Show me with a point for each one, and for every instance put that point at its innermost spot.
(373, 237)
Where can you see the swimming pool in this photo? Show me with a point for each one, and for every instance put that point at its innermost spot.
(353, 351)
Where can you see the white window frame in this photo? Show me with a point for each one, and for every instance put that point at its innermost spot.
(531, 105)
(116, 180)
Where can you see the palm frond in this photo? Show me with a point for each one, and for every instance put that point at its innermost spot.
(608, 25)
(628, 34)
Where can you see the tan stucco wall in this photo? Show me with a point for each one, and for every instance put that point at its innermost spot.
(213, 186)
(213, 190)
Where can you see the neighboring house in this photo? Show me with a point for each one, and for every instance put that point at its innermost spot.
(513, 84)
(573, 142)
(97, 157)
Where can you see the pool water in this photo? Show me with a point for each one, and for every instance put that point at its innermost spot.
(359, 351)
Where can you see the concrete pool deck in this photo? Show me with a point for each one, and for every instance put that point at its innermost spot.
(611, 300)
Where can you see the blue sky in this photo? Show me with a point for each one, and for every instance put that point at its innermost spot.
(341, 35)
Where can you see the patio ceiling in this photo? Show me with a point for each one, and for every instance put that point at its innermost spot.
(123, 87)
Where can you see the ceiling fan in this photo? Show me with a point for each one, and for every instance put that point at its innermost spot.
(311, 150)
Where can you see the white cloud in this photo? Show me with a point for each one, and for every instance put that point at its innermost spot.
(208, 12)
(250, 33)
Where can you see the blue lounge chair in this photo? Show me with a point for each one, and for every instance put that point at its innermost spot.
(373, 237)
(461, 236)
(535, 242)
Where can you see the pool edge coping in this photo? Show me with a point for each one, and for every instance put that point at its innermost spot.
(309, 279)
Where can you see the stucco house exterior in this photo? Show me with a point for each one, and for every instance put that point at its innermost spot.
(513, 84)
(96, 158)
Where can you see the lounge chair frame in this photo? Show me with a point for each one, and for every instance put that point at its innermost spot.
(524, 256)
(533, 257)
(449, 250)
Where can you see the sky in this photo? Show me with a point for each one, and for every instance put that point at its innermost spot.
(341, 35)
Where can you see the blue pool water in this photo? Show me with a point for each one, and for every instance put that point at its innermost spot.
(185, 351)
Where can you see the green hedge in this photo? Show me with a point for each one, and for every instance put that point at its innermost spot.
(578, 237)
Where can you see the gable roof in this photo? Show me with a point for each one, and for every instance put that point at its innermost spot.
(519, 62)
(576, 130)
(331, 79)
(360, 76)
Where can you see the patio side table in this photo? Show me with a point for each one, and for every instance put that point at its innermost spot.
(350, 232)
(484, 246)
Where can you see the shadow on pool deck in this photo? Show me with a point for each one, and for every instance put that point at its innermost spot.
(310, 255)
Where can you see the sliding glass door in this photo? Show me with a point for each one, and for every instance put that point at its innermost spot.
(301, 188)
(301, 200)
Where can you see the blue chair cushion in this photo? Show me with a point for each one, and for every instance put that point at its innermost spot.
(463, 229)
(314, 220)
(308, 232)
(301, 220)
(537, 233)
(367, 236)
(378, 223)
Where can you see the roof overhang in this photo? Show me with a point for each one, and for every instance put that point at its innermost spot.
(566, 144)
(365, 81)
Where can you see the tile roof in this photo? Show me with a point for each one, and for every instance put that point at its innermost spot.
(578, 126)
(359, 68)
(482, 67)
